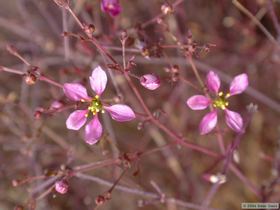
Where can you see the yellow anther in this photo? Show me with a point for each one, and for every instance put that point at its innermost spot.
(221, 101)
(102, 111)
(95, 105)
(82, 100)
(227, 95)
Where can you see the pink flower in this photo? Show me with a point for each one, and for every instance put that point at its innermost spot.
(200, 102)
(112, 7)
(61, 186)
(150, 81)
(78, 118)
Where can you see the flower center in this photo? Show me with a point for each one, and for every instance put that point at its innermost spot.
(95, 106)
(221, 101)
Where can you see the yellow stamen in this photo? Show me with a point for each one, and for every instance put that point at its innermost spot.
(220, 101)
(95, 105)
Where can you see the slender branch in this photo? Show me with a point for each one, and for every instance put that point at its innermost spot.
(65, 38)
(138, 192)
(239, 6)
(273, 17)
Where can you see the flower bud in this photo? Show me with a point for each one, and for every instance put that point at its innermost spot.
(166, 8)
(112, 7)
(38, 113)
(56, 105)
(30, 79)
(89, 29)
(100, 200)
(218, 178)
(62, 186)
(150, 81)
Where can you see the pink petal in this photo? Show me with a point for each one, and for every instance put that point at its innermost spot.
(208, 122)
(234, 121)
(120, 112)
(93, 131)
(75, 91)
(111, 6)
(198, 102)
(150, 81)
(76, 119)
(213, 82)
(98, 80)
(238, 84)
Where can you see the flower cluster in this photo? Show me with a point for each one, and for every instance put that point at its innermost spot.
(78, 118)
(122, 113)
(200, 102)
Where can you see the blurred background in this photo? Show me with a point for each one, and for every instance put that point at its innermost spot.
(36, 143)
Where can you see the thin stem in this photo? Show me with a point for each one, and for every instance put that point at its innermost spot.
(41, 77)
(75, 17)
(9, 70)
(50, 81)
(15, 53)
(138, 192)
(195, 71)
(273, 17)
(65, 38)
(255, 20)
(96, 165)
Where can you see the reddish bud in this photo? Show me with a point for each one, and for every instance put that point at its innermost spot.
(112, 7)
(166, 8)
(100, 200)
(61, 186)
(89, 29)
(30, 79)
(38, 113)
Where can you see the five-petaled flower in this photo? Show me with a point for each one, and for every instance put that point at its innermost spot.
(77, 92)
(200, 102)
(112, 7)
